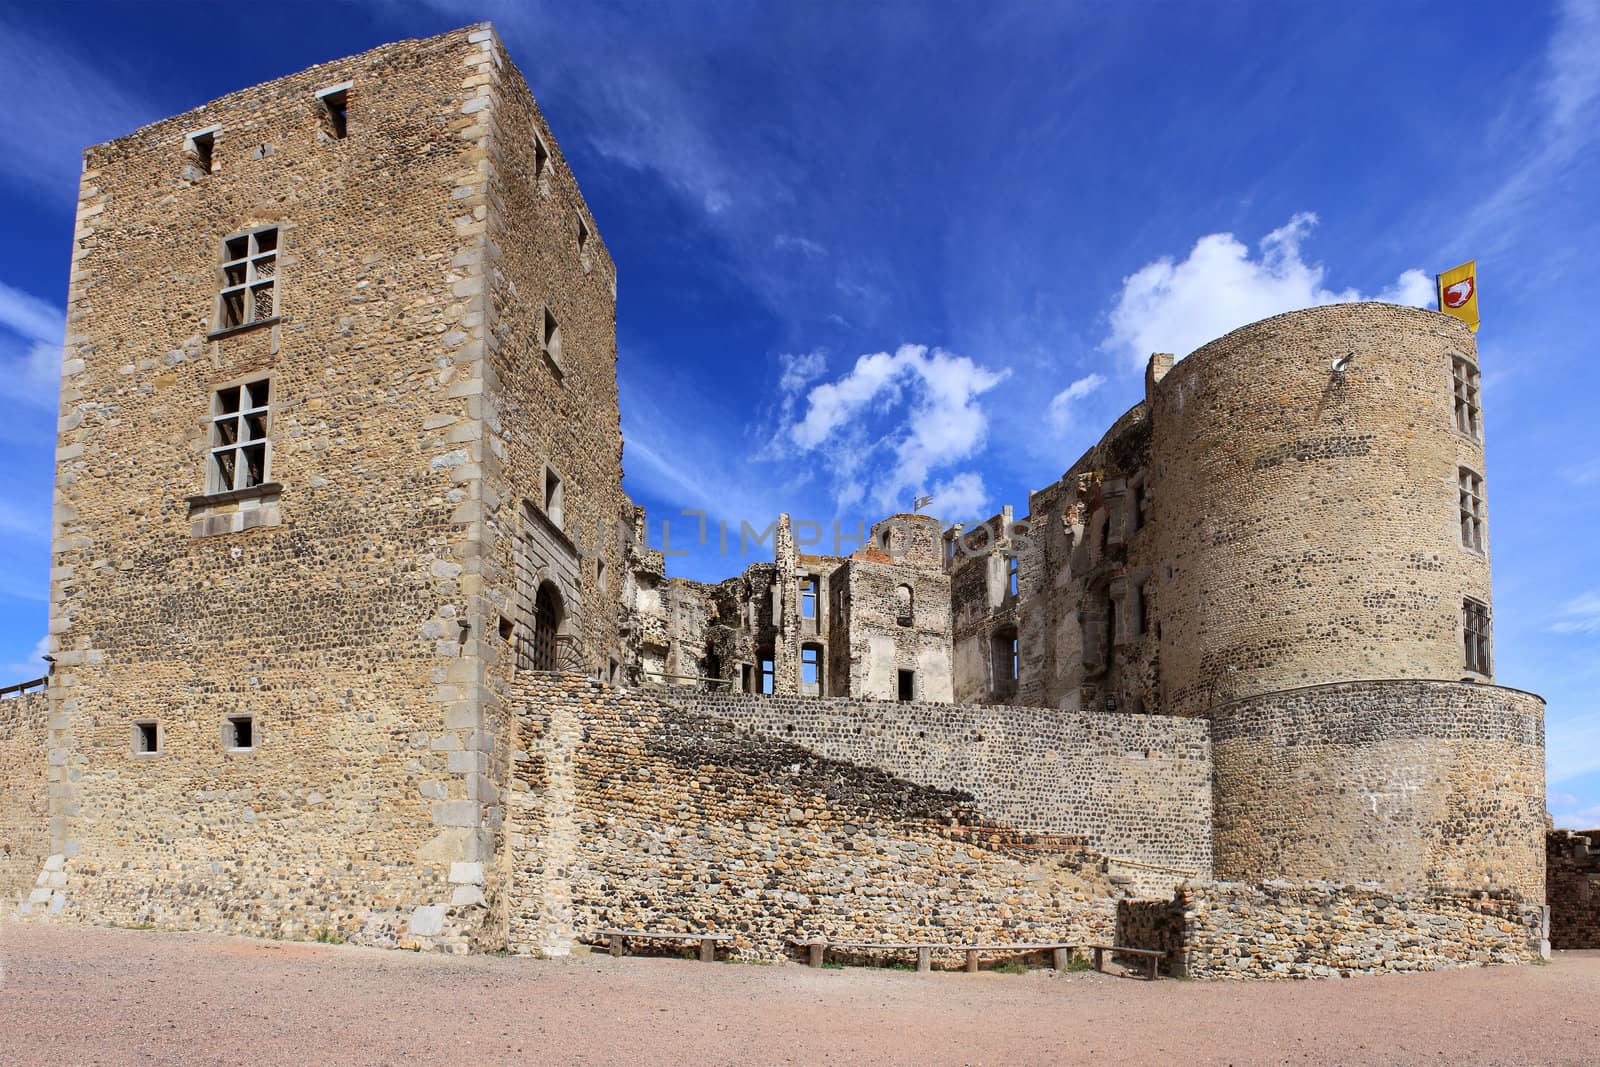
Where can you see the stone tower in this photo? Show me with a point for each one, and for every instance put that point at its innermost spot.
(339, 381)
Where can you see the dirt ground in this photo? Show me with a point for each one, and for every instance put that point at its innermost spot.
(107, 996)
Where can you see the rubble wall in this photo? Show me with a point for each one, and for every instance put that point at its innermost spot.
(1136, 787)
(628, 812)
(1572, 864)
(24, 797)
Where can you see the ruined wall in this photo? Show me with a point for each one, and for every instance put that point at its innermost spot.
(24, 798)
(898, 618)
(329, 603)
(1572, 879)
(628, 812)
(1135, 787)
(1421, 786)
(1307, 520)
(1323, 930)
(1084, 611)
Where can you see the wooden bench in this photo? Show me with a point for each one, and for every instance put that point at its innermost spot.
(1153, 955)
(708, 942)
(1060, 952)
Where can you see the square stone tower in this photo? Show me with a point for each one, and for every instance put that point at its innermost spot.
(338, 430)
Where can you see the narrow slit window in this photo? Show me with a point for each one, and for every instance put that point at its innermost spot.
(908, 685)
(550, 339)
(583, 234)
(239, 732)
(1475, 633)
(249, 278)
(554, 495)
(541, 157)
(336, 110)
(197, 148)
(241, 421)
(1471, 507)
(769, 675)
(1011, 575)
(1468, 412)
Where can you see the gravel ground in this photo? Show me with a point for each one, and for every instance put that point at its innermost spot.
(71, 995)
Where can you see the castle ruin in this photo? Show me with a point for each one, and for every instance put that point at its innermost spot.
(349, 635)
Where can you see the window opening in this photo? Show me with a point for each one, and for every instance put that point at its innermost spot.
(249, 277)
(240, 422)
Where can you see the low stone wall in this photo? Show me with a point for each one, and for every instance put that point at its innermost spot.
(24, 797)
(628, 812)
(1322, 930)
(1136, 787)
(1572, 865)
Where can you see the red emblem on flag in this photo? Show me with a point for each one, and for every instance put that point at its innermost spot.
(1458, 294)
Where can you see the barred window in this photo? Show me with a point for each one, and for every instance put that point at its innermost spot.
(249, 277)
(1471, 494)
(1466, 391)
(240, 423)
(1475, 634)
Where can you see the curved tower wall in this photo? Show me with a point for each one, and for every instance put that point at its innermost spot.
(1416, 785)
(1308, 519)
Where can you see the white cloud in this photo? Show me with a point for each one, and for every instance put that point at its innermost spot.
(929, 399)
(1061, 414)
(1169, 306)
(959, 496)
(1580, 615)
(29, 669)
(1574, 818)
(30, 365)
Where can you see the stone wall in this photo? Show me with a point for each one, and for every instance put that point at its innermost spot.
(1136, 787)
(1421, 786)
(628, 812)
(24, 797)
(1323, 930)
(1573, 887)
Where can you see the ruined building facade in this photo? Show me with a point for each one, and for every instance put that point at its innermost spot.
(353, 632)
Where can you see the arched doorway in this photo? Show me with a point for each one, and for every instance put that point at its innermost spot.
(548, 614)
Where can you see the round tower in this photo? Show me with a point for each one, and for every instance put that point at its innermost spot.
(1325, 599)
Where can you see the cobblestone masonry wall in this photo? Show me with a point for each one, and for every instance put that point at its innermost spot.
(1422, 786)
(631, 813)
(332, 607)
(1320, 930)
(1572, 864)
(1136, 787)
(24, 798)
(1306, 520)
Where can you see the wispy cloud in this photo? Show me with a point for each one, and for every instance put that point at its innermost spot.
(788, 242)
(30, 348)
(1561, 130)
(60, 105)
(1580, 615)
(1061, 412)
(1178, 305)
(32, 667)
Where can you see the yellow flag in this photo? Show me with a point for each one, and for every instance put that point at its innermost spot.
(1458, 293)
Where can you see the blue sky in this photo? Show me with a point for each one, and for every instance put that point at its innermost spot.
(869, 251)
